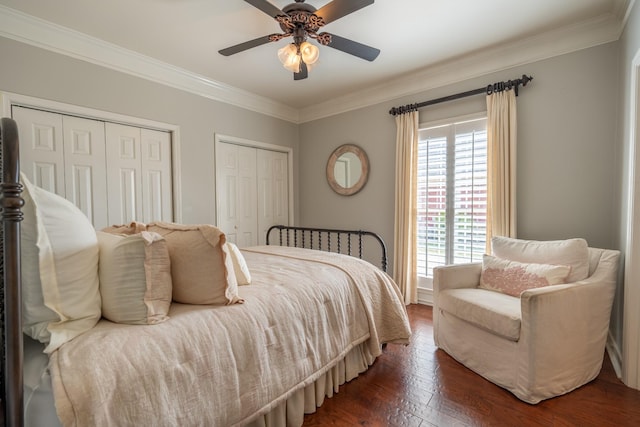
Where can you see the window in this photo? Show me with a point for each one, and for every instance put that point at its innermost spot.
(452, 194)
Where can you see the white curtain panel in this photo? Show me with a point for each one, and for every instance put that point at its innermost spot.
(501, 165)
(404, 248)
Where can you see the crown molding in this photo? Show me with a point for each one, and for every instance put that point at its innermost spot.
(43, 34)
(622, 9)
(600, 30)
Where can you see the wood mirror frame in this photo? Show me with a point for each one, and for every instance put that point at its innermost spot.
(364, 169)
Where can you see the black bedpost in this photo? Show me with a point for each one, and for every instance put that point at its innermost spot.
(11, 204)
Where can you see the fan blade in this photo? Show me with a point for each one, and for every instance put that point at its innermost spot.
(304, 72)
(266, 7)
(244, 46)
(354, 48)
(339, 8)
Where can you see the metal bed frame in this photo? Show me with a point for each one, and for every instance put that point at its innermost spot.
(326, 239)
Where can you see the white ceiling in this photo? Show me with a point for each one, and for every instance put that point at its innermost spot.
(423, 43)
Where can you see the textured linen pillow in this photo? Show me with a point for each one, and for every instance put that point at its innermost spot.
(201, 268)
(513, 278)
(133, 228)
(243, 276)
(59, 247)
(571, 252)
(135, 278)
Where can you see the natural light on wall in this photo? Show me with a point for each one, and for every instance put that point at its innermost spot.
(452, 195)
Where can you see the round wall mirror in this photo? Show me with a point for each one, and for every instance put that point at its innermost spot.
(347, 169)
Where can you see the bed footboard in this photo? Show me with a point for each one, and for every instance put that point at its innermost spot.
(326, 239)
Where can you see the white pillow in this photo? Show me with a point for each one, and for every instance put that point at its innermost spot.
(60, 254)
(135, 278)
(239, 264)
(513, 278)
(571, 252)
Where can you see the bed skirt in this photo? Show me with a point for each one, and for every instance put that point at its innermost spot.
(289, 411)
(307, 398)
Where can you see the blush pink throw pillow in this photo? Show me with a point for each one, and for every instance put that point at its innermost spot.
(513, 278)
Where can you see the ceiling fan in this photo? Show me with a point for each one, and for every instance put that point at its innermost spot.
(303, 21)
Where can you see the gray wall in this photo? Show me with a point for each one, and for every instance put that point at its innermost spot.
(629, 46)
(27, 70)
(566, 151)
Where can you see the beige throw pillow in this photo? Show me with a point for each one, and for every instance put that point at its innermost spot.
(133, 228)
(201, 268)
(571, 252)
(135, 278)
(513, 278)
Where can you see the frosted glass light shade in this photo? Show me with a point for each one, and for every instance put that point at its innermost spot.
(289, 57)
(310, 53)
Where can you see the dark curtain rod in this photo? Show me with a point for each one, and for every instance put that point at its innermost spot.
(496, 87)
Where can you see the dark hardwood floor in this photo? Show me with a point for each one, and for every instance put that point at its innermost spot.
(419, 385)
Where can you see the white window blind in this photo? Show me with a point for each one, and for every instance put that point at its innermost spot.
(452, 194)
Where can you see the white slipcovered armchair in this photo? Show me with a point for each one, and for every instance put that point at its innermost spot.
(544, 343)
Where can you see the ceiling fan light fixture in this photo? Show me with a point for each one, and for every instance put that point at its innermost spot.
(289, 57)
(303, 21)
(309, 52)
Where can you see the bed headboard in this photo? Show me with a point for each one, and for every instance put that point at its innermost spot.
(11, 203)
(330, 240)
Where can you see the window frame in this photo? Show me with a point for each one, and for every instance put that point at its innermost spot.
(425, 282)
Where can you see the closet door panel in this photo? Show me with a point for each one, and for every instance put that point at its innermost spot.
(273, 194)
(157, 200)
(85, 167)
(226, 190)
(247, 202)
(124, 180)
(280, 164)
(265, 194)
(41, 148)
(236, 193)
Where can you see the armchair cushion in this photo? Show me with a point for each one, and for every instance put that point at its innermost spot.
(493, 311)
(571, 252)
(513, 278)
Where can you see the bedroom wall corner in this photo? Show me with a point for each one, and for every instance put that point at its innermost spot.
(625, 321)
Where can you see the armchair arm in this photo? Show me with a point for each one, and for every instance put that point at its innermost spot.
(581, 302)
(564, 327)
(456, 276)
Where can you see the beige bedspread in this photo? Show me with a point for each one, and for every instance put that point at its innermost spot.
(225, 365)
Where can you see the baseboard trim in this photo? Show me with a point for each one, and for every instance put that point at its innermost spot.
(614, 355)
(425, 296)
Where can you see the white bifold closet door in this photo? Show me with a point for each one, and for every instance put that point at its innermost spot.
(138, 174)
(273, 195)
(65, 155)
(251, 192)
(236, 193)
(113, 173)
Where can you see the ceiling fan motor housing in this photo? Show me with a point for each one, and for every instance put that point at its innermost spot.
(300, 21)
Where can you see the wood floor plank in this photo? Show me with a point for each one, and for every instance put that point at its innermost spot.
(419, 385)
